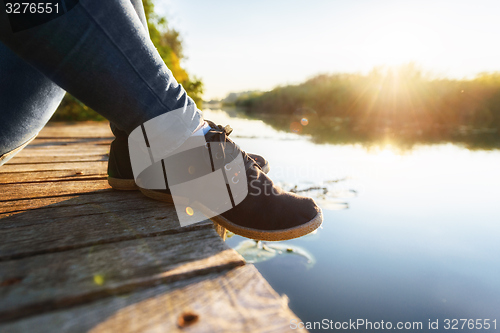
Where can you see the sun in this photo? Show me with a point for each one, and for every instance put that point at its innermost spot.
(394, 41)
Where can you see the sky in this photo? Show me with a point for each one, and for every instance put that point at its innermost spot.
(257, 45)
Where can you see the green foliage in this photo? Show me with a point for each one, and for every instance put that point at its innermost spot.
(71, 109)
(395, 104)
(169, 45)
(240, 98)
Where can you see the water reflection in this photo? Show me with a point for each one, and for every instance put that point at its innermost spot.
(326, 194)
(419, 240)
(337, 130)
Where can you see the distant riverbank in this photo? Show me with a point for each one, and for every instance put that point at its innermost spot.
(401, 105)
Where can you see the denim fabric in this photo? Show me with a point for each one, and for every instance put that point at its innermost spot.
(27, 100)
(101, 53)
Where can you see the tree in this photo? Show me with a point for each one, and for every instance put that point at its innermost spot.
(168, 42)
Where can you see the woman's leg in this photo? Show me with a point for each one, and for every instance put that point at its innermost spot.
(101, 54)
(27, 101)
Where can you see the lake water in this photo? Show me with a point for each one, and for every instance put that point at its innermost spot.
(408, 236)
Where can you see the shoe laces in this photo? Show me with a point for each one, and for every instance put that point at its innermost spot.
(226, 131)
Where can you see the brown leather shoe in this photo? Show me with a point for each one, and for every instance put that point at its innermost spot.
(267, 212)
(121, 177)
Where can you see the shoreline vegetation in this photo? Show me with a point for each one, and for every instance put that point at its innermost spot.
(403, 106)
(169, 44)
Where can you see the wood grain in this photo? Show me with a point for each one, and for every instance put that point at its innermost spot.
(8, 208)
(43, 159)
(53, 175)
(99, 163)
(89, 129)
(40, 141)
(77, 256)
(63, 150)
(239, 300)
(72, 226)
(51, 189)
(66, 278)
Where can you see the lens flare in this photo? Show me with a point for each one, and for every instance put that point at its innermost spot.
(304, 121)
(296, 127)
(99, 279)
(189, 211)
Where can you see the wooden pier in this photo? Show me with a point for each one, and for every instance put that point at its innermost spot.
(78, 256)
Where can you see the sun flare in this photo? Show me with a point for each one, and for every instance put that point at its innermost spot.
(398, 42)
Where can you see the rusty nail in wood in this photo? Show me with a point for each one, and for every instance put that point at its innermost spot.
(187, 319)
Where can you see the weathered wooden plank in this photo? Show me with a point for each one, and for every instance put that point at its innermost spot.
(69, 141)
(50, 189)
(239, 300)
(64, 151)
(98, 161)
(59, 159)
(74, 226)
(74, 206)
(59, 175)
(77, 244)
(76, 130)
(8, 207)
(57, 280)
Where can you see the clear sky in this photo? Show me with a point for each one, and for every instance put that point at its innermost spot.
(257, 45)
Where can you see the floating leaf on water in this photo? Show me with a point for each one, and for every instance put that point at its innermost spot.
(295, 250)
(331, 205)
(325, 193)
(255, 252)
(335, 180)
(309, 189)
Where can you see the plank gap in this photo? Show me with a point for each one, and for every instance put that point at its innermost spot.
(111, 240)
(69, 179)
(59, 196)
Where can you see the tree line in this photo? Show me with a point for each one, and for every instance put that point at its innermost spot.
(401, 104)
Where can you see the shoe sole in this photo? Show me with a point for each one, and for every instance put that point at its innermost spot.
(271, 235)
(157, 195)
(122, 184)
(257, 234)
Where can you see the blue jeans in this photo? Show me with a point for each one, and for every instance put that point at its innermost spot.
(100, 52)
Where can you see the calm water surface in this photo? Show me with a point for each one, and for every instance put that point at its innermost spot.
(407, 235)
